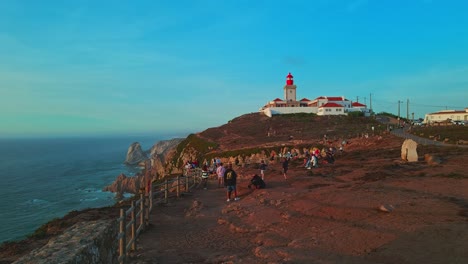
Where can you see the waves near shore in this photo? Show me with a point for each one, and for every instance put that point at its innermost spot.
(42, 179)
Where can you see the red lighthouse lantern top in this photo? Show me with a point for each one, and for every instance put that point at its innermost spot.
(289, 79)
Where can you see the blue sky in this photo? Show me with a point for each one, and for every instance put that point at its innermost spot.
(129, 67)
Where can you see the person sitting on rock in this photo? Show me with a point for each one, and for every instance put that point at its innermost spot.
(257, 183)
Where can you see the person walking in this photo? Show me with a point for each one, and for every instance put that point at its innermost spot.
(263, 167)
(230, 181)
(285, 168)
(204, 176)
(220, 172)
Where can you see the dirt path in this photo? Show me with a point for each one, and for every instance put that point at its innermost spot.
(188, 230)
(324, 215)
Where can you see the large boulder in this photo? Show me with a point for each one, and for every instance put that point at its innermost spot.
(135, 154)
(408, 151)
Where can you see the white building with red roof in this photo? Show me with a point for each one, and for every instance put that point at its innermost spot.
(446, 115)
(289, 105)
(323, 105)
(330, 109)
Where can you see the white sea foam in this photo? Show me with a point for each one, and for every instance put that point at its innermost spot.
(89, 199)
(37, 202)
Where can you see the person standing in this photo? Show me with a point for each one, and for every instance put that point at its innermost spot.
(285, 167)
(205, 174)
(187, 168)
(263, 167)
(220, 172)
(230, 181)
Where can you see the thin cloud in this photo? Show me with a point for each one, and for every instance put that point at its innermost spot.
(294, 61)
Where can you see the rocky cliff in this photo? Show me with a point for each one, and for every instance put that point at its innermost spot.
(159, 154)
(164, 146)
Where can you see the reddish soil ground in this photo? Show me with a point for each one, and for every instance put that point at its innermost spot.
(328, 214)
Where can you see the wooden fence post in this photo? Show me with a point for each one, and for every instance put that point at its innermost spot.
(187, 184)
(147, 210)
(150, 195)
(134, 224)
(195, 178)
(178, 186)
(122, 240)
(142, 211)
(166, 191)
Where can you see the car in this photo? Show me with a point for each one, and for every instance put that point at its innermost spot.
(458, 122)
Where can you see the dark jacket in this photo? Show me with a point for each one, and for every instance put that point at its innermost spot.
(257, 182)
(230, 177)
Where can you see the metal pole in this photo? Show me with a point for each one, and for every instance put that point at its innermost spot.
(407, 109)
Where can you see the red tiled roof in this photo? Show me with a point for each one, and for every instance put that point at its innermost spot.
(448, 113)
(331, 105)
(335, 98)
(277, 99)
(321, 97)
(305, 100)
(358, 104)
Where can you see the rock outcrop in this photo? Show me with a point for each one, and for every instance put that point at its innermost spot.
(124, 184)
(161, 153)
(135, 154)
(432, 160)
(164, 146)
(85, 242)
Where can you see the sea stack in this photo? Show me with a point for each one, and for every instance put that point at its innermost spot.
(135, 154)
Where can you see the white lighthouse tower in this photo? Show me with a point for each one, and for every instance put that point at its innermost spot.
(290, 89)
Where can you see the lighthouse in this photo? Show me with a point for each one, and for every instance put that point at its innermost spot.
(289, 89)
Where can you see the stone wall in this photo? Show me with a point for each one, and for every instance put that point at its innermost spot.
(270, 111)
(85, 242)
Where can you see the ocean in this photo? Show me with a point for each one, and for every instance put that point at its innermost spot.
(42, 179)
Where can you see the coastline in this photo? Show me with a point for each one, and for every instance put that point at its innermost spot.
(46, 179)
(382, 166)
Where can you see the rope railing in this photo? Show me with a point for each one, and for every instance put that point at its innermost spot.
(133, 221)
